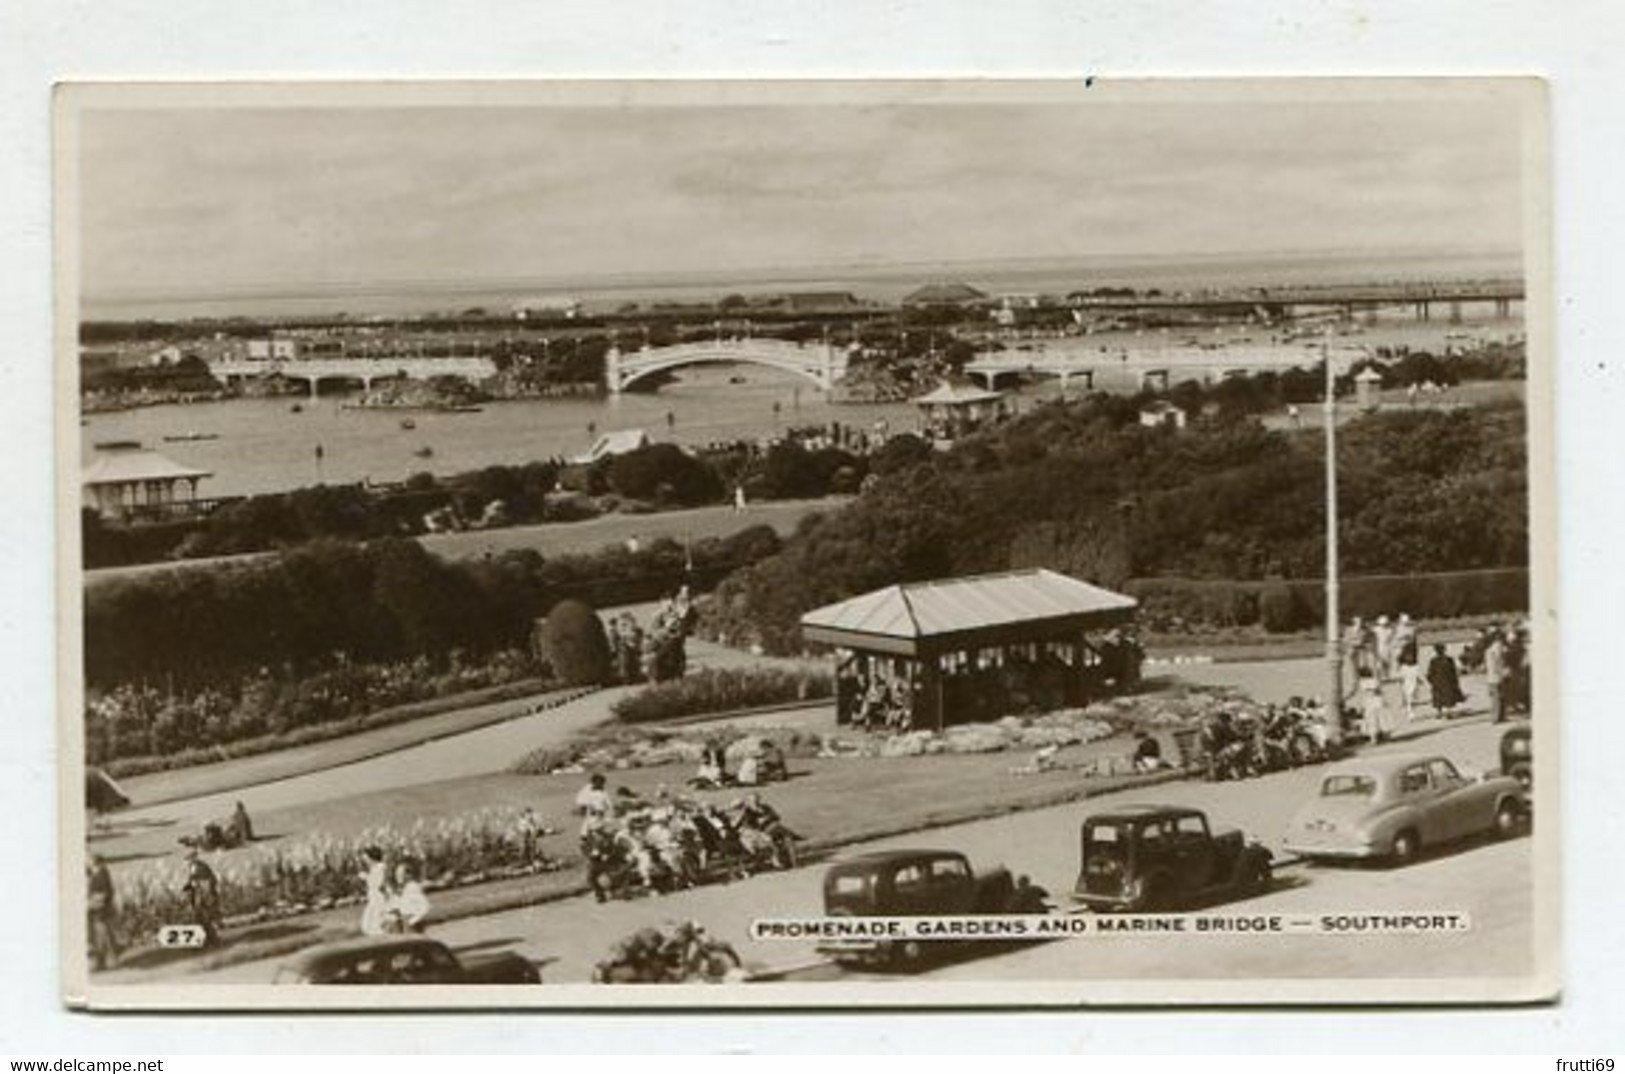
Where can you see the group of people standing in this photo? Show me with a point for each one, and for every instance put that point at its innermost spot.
(396, 901)
(1382, 652)
(656, 654)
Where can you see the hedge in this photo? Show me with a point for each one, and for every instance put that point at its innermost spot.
(1285, 605)
(722, 690)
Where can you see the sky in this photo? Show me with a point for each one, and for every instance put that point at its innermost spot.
(198, 202)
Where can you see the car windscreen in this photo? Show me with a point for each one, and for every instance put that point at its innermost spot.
(1348, 786)
(851, 885)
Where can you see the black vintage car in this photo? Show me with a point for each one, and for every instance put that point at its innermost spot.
(911, 883)
(1517, 756)
(1153, 858)
(398, 960)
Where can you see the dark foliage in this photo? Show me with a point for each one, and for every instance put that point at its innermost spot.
(573, 643)
(1084, 488)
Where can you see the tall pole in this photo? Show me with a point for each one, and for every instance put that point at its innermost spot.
(1334, 652)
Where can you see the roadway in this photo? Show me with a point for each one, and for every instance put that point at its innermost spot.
(1491, 883)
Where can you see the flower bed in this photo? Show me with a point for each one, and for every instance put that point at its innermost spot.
(722, 690)
(620, 748)
(136, 727)
(319, 872)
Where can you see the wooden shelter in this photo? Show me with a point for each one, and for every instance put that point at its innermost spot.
(930, 654)
(954, 410)
(126, 481)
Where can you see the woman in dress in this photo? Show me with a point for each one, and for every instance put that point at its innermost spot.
(408, 904)
(375, 915)
(1444, 682)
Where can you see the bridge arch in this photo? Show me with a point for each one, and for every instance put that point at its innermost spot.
(822, 364)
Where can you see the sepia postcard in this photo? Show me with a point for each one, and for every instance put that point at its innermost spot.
(806, 543)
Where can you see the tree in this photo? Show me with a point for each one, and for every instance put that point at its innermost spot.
(573, 643)
(664, 472)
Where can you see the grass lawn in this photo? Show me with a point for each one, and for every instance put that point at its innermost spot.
(831, 801)
(464, 712)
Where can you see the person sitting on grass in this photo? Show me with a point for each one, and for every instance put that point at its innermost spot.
(1147, 752)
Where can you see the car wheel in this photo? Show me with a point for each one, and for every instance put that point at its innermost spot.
(1523, 775)
(1407, 845)
(1507, 818)
(1257, 878)
(1153, 897)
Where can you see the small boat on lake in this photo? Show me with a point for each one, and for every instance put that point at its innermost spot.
(180, 438)
(424, 452)
(408, 423)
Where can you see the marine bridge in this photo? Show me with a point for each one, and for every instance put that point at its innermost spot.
(1421, 298)
(365, 370)
(820, 363)
(1154, 367)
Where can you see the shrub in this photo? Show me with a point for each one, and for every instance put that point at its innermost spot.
(574, 645)
(722, 690)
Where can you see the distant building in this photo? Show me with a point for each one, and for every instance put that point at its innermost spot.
(126, 481)
(552, 306)
(938, 295)
(952, 410)
(269, 350)
(819, 301)
(1162, 415)
(619, 442)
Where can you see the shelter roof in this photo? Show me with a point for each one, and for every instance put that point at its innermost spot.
(957, 395)
(962, 612)
(944, 294)
(128, 465)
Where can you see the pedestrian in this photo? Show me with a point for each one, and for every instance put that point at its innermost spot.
(739, 497)
(593, 801)
(1374, 711)
(240, 828)
(1408, 661)
(375, 875)
(1444, 682)
(1383, 641)
(202, 891)
(408, 905)
(102, 914)
(1495, 672)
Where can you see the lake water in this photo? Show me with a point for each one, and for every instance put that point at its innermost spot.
(263, 446)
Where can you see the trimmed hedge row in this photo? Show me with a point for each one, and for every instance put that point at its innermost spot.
(722, 690)
(1281, 606)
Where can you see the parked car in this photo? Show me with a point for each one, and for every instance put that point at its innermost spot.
(392, 960)
(1517, 756)
(1391, 807)
(1154, 857)
(910, 883)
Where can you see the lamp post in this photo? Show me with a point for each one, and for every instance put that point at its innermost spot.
(1334, 651)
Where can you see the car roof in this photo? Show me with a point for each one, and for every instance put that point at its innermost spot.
(1385, 765)
(1144, 812)
(328, 954)
(883, 857)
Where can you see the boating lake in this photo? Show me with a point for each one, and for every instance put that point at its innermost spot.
(264, 445)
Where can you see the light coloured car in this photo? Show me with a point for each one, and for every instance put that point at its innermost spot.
(1390, 807)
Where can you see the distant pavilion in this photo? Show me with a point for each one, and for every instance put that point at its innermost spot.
(126, 481)
(951, 411)
(925, 655)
